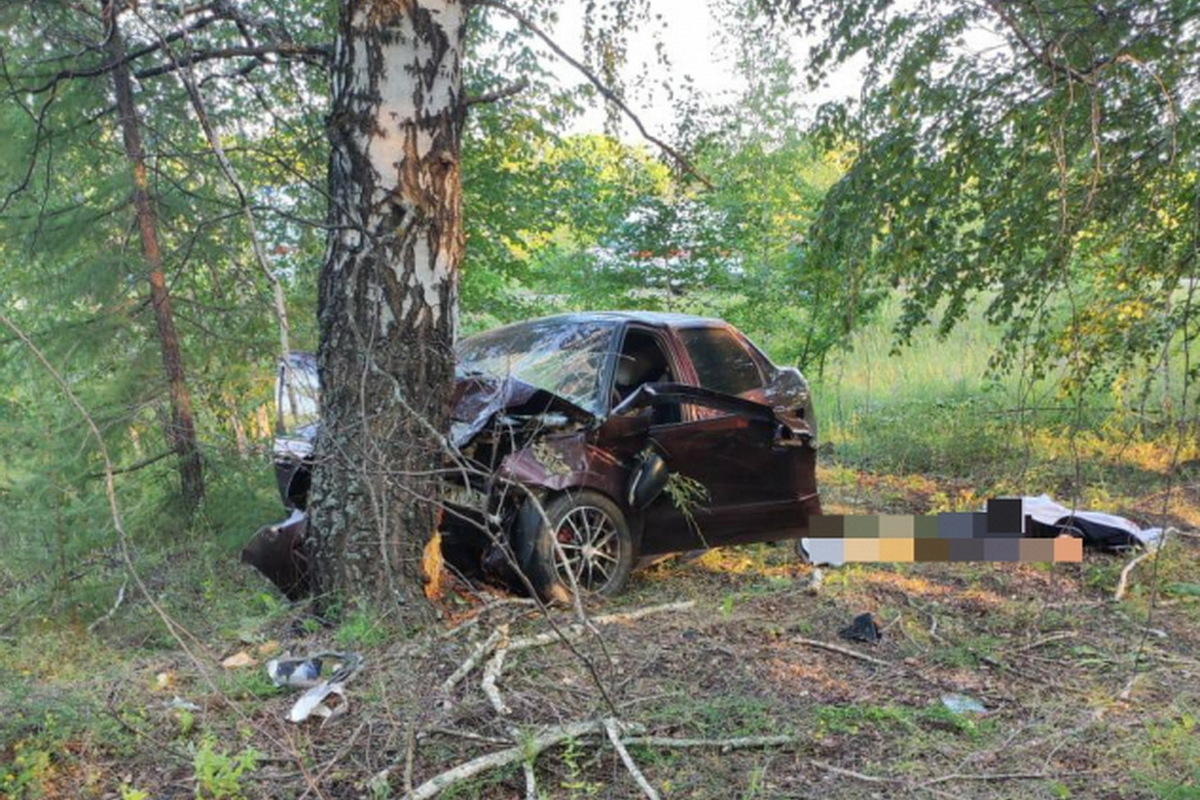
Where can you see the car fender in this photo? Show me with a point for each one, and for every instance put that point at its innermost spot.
(566, 462)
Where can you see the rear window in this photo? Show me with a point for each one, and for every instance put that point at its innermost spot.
(721, 360)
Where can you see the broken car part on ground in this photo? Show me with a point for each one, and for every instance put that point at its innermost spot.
(584, 442)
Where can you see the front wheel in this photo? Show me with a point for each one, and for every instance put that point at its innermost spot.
(583, 542)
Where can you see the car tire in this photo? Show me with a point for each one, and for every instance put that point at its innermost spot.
(583, 535)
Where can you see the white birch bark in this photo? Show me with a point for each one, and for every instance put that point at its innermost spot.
(388, 292)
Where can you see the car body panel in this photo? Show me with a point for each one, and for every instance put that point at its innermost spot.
(580, 401)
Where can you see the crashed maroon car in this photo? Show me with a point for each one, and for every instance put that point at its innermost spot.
(587, 442)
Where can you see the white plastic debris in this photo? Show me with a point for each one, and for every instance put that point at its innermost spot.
(323, 698)
(316, 701)
(179, 704)
(962, 704)
(298, 672)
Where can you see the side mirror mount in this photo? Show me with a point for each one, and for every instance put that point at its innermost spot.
(647, 481)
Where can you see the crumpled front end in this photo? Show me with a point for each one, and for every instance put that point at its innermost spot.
(277, 551)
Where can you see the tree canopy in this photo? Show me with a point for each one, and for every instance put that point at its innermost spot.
(1039, 153)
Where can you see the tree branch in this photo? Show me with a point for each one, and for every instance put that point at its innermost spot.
(499, 94)
(724, 745)
(1042, 55)
(523, 751)
(846, 651)
(145, 462)
(601, 87)
(128, 58)
(620, 735)
(1122, 583)
(614, 736)
(321, 52)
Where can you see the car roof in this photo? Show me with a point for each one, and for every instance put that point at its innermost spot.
(658, 319)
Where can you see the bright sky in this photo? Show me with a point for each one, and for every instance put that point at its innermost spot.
(690, 39)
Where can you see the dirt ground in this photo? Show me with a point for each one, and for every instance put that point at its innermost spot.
(990, 681)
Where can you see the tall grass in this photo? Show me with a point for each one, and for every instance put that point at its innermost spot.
(936, 408)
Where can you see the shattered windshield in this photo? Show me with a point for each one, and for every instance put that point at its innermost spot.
(563, 356)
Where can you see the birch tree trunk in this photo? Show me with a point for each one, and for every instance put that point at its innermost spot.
(388, 296)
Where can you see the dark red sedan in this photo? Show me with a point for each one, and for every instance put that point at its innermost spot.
(585, 442)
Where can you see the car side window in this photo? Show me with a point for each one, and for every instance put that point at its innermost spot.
(643, 360)
(721, 361)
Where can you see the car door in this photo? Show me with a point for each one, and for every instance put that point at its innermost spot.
(758, 470)
(733, 473)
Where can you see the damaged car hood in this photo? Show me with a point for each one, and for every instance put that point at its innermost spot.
(479, 398)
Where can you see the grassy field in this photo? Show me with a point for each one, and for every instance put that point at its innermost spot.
(932, 414)
(120, 687)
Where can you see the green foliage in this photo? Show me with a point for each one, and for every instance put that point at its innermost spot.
(575, 781)
(1171, 755)
(939, 717)
(722, 716)
(531, 256)
(30, 768)
(361, 628)
(219, 773)
(635, 240)
(686, 493)
(851, 719)
(855, 720)
(600, 224)
(74, 273)
(37, 724)
(1042, 154)
(929, 412)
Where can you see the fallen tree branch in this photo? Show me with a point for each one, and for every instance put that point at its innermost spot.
(477, 616)
(1004, 776)
(724, 745)
(491, 673)
(1127, 692)
(116, 604)
(499, 645)
(621, 737)
(955, 776)
(1045, 640)
(531, 792)
(846, 651)
(1122, 582)
(542, 639)
(849, 773)
(468, 735)
(473, 660)
(526, 751)
(614, 736)
(638, 613)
